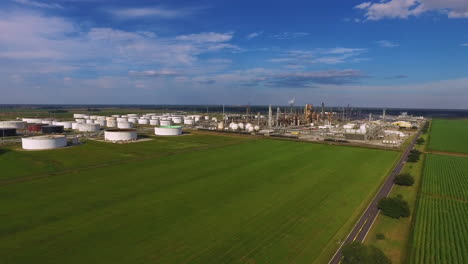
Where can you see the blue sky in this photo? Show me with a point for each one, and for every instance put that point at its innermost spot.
(391, 53)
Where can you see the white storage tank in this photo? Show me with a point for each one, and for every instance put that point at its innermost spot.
(44, 142)
(122, 119)
(207, 118)
(250, 129)
(154, 122)
(165, 122)
(78, 116)
(65, 124)
(177, 119)
(120, 135)
(168, 130)
(124, 125)
(89, 127)
(235, 127)
(75, 126)
(102, 123)
(33, 120)
(257, 128)
(89, 121)
(132, 115)
(13, 124)
(111, 123)
(189, 122)
(241, 126)
(115, 116)
(132, 120)
(143, 121)
(80, 121)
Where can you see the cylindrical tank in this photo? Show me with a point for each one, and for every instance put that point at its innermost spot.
(111, 123)
(132, 115)
(44, 142)
(93, 117)
(75, 126)
(78, 116)
(165, 122)
(65, 124)
(168, 130)
(124, 125)
(102, 123)
(133, 120)
(189, 122)
(257, 128)
(35, 127)
(33, 120)
(13, 124)
(143, 121)
(89, 127)
(154, 122)
(7, 132)
(52, 129)
(115, 116)
(47, 122)
(221, 126)
(177, 119)
(89, 121)
(80, 121)
(120, 134)
(101, 118)
(122, 119)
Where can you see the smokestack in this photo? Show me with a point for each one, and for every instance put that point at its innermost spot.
(270, 117)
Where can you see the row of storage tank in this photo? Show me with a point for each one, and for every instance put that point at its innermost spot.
(239, 127)
(45, 142)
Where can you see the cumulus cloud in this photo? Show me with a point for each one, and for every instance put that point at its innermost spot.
(464, 45)
(387, 44)
(402, 9)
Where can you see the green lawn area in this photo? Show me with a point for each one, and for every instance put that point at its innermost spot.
(449, 135)
(189, 199)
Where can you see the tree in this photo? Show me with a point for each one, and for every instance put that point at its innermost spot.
(358, 253)
(420, 141)
(394, 207)
(404, 179)
(413, 156)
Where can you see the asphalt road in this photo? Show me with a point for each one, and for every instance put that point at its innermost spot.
(364, 224)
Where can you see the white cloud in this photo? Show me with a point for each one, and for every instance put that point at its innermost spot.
(321, 56)
(37, 4)
(207, 37)
(253, 35)
(290, 35)
(154, 12)
(403, 9)
(387, 44)
(464, 45)
(154, 73)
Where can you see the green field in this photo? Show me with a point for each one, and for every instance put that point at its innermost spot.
(449, 135)
(190, 199)
(441, 227)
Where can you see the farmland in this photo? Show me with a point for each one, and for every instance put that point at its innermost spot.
(449, 135)
(189, 199)
(440, 232)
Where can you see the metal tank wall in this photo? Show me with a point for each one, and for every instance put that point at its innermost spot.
(120, 134)
(168, 130)
(44, 142)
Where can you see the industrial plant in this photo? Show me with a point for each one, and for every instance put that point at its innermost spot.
(343, 125)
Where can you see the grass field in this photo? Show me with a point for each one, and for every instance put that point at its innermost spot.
(190, 199)
(397, 232)
(449, 135)
(441, 227)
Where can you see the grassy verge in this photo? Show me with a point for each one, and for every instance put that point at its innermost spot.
(397, 231)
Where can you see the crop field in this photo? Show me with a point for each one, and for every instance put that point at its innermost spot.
(441, 227)
(449, 135)
(189, 199)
